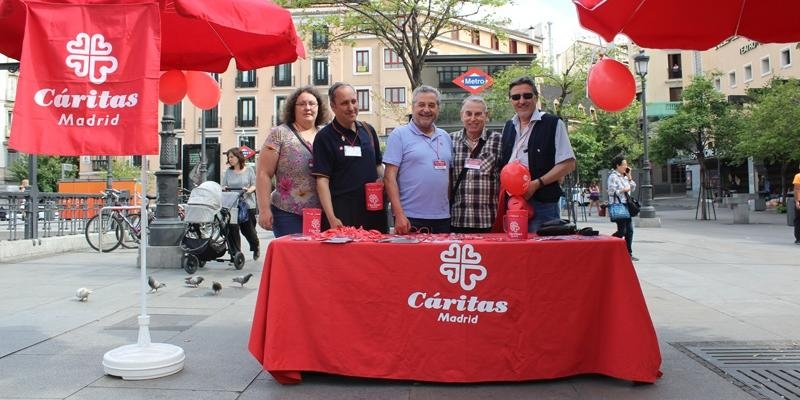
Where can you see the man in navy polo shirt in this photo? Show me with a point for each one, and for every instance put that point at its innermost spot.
(418, 157)
(347, 155)
(540, 142)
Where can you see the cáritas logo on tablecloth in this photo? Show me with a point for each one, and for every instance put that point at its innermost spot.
(461, 265)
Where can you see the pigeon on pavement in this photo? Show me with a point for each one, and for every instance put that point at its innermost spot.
(216, 287)
(242, 279)
(194, 281)
(83, 294)
(154, 284)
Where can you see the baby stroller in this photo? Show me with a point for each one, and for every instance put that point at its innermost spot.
(206, 237)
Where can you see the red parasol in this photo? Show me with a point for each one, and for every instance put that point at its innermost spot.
(199, 35)
(690, 24)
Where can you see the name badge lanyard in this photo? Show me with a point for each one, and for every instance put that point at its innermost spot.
(523, 139)
(437, 162)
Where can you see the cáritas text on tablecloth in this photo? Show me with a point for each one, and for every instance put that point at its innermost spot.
(463, 303)
(458, 319)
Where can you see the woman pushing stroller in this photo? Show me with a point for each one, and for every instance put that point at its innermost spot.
(241, 177)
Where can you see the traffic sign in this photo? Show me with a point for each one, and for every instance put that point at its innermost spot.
(475, 80)
(247, 152)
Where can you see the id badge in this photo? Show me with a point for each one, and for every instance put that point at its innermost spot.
(439, 164)
(352, 151)
(472, 163)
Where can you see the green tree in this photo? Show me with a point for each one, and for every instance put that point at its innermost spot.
(48, 170)
(691, 131)
(409, 27)
(772, 133)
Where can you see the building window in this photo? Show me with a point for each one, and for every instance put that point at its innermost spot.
(732, 79)
(361, 61)
(320, 71)
(786, 58)
(211, 117)
(212, 140)
(283, 75)
(387, 131)
(363, 99)
(495, 42)
(216, 76)
(718, 84)
(512, 46)
(279, 102)
(247, 140)
(448, 73)
(530, 49)
(674, 66)
(748, 72)
(246, 79)
(675, 94)
(319, 39)
(246, 108)
(395, 95)
(391, 60)
(454, 34)
(766, 68)
(475, 37)
(177, 112)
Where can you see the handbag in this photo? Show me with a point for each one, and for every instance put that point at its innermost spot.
(633, 205)
(618, 211)
(242, 215)
(557, 227)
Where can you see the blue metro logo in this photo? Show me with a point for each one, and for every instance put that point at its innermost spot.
(474, 80)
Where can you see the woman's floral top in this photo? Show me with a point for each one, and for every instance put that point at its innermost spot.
(295, 188)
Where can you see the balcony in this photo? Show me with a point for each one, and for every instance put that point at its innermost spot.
(662, 109)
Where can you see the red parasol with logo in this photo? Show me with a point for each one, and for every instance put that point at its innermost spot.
(690, 24)
(198, 35)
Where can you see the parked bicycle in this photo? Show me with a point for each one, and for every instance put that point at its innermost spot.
(122, 226)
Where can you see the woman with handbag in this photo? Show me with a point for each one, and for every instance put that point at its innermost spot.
(620, 185)
(285, 159)
(241, 177)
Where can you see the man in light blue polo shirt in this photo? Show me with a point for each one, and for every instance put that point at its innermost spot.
(417, 158)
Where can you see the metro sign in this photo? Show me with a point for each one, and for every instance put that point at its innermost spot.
(474, 80)
(247, 152)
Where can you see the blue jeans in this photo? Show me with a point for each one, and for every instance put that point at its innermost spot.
(285, 223)
(543, 212)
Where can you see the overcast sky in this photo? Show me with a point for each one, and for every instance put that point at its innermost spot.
(561, 13)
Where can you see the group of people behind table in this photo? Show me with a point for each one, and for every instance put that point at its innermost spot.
(435, 181)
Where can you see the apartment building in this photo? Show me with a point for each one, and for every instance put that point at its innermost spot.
(251, 101)
(8, 92)
(737, 64)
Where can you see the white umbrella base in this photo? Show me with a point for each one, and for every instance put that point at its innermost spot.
(139, 362)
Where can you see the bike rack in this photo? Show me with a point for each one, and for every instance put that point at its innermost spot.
(103, 211)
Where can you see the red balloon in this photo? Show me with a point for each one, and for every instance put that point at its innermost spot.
(610, 85)
(515, 178)
(202, 89)
(172, 87)
(519, 203)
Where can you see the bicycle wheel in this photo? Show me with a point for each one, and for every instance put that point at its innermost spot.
(131, 235)
(108, 227)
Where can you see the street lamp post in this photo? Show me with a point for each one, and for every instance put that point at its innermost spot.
(647, 215)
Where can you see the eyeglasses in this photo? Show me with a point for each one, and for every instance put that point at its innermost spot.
(304, 105)
(517, 96)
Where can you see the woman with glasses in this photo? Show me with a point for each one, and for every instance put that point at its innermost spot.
(286, 157)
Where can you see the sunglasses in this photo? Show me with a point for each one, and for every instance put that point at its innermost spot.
(527, 96)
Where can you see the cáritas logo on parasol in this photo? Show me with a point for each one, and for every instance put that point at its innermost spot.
(461, 264)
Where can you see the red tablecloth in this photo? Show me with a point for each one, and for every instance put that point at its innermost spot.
(478, 310)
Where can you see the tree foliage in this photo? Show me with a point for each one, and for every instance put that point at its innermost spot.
(773, 132)
(48, 170)
(409, 27)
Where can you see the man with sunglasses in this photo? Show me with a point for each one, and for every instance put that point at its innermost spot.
(540, 142)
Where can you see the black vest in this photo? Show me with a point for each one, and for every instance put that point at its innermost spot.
(541, 154)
